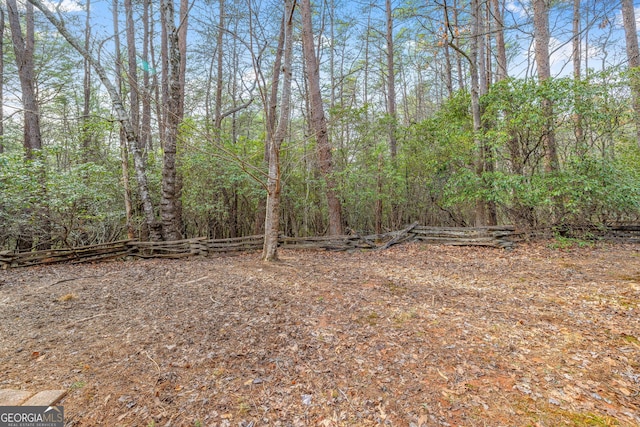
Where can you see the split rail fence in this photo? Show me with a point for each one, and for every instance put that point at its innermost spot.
(497, 236)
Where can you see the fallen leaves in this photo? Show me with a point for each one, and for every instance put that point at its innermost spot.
(416, 335)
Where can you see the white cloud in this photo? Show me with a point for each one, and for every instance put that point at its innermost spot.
(517, 8)
(64, 5)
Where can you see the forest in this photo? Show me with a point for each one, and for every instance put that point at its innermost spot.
(169, 120)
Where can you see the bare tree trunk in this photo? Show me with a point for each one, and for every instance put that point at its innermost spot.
(480, 214)
(501, 51)
(1, 79)
(123, 117)
(391, 82)
(23, 47)
(86, 86)
(456, 24)
(124, 152)
(318, 120)
(220, 56)
(633, 54)
(169, 209)
(132, 71)
(145, 121)
(542, 37)
(447, 54)
(272, 217)
(577, 59)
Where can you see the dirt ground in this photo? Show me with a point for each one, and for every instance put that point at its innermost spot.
(415, 335)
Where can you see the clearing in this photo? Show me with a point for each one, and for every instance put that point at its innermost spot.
(416, 335)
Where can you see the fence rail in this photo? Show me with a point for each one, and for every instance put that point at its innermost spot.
(496, 236)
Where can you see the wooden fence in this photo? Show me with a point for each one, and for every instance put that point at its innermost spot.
(498, 236)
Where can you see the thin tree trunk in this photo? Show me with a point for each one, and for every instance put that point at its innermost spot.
(272, 217)
(169, 209)
(86, 85)
(577, 59)
(217, 124)
(318, 121)
(633, 54)
(501, 51)
(124, 152)
(447, 54)
(1, 79)
(23, 47)
(123, 117)
(391, 82)
(132, 71)
(475, 57)
(145, 121)
(461, 78)
(542, 37)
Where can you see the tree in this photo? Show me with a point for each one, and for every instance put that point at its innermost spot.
(577, 60)
(633, 56)
(1, 79)
(121, 113)
(391, 81)
(501, 50)
(23, 47)
(169, 204)
(272, 217)
(318, 121)
(542, 38)
(132, 71)
(124, 152)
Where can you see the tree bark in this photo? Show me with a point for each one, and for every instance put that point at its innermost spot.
(1, 80)
(132, 72)
(121, 113)
(391, 82)
(23, 47)
(633, 55)
(272, 217)
(542, 37)
(501, 51)
(86, 86)
(577, 60)
(318, 121)
(217, 124)
(124, 152)
(169, 209)
(145, 120)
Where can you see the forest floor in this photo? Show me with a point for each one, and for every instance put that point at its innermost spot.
(415, 335)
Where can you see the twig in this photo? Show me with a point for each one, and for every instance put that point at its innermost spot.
(196, 280)
(73, 278)
(85, 319)
(146, 353)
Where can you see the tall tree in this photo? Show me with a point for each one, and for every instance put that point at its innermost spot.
(23, 47)
(633, 55)
(121, 113)
(169, 203)
(318, 121)
(501, 50)
(577, 60)
(145, 119)
(219, 72)
(272, 217)
(542, 37)
(132, 71)
(1, 79)
(124, 152)
(391, 80)
(86, 85)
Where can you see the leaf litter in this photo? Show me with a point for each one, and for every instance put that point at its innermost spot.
(412, 336)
